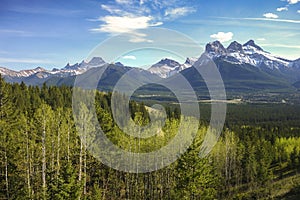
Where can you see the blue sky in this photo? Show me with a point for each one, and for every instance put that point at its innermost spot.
(51, 33)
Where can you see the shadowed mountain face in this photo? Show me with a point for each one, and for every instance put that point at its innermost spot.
(110, 75)
(243, 68)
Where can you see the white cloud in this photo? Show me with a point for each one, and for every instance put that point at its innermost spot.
(180, 11)
(293, 1)
(282, 9)
(261, 39)
(124, 24)
(127, 24)
(222, 37)
(128, 57)
(270, 16)
(298, 11)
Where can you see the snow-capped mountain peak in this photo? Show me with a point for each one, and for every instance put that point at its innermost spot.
(96, 61)
(190, 61)
(235, 47)
(168, 67)
(248, 53)
(252, 44)
(71, 67)
(215, 48)
(167, 62)
(83, 66)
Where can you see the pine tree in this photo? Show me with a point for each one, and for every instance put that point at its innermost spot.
(6, 130)
(44, 124)
(85, 128)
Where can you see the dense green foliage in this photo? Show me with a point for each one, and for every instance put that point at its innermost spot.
(42, 156)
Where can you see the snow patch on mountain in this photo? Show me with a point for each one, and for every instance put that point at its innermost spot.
(22, 73)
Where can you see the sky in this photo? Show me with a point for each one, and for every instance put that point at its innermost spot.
(52, 33)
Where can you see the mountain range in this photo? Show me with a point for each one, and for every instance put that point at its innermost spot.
(248, 67)
(245, 69)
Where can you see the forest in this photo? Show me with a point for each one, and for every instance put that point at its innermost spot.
(43, 157)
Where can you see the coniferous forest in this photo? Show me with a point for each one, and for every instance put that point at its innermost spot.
(42, 156)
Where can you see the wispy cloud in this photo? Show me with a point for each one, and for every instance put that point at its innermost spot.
(128, 57)
(261, 39)
(44, 11)
(263, 19)
(24, 60)
(270, 15)
(3, 52)
(282, 45)
(16, 32)
(222, 37)
(110, 9)
(274, 20)
(282, 9)
(178, 12)
(135, 39)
